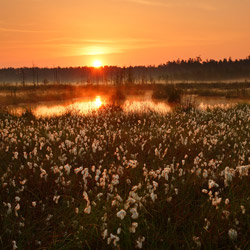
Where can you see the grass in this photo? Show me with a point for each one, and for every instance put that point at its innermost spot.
(231, 93)
(66, 180)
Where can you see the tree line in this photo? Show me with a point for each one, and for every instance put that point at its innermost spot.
(193, 69)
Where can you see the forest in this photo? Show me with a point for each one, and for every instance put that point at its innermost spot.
(191, 70)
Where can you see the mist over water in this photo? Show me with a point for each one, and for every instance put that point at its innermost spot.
(132, 103)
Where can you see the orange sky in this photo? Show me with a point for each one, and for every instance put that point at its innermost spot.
(121, 32)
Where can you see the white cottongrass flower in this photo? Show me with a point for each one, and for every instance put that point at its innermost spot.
(205, 173)
(56, 198)
(33, 203)
(134, 213)
(232, 233)
(226, 213)
(197, 241)
(86, 197)
(204, 191)
(139, 242)
(207, 224)
(17, 199)
(67, 168)
(132, 163)
(169, 199)
(17, 207)
(226, 201)
(15, 155)
(212, 184)
(114, 238)
(236, 222)
(115, 179)
(243, 170)
(99, 196)
(115, 203)
(105, 234)
(155, 185)
(216, 201)
(14, 245)
(77, 170)
(243, 210)
(133, 227)
(87, 209)
(105, 217)
(21, 224)
(49, 217)
(121, 214)
(153, 196)
(9, 208)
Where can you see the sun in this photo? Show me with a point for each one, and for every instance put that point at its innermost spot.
(97, 63)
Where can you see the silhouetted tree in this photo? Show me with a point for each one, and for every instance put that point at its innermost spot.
(193, 69)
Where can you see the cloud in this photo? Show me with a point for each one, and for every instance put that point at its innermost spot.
(146, 2)
(97, 44)
(80, 46)
(26, 30)
(96, 41)
(172, 4)
(100, 50)
(70, 40)
(101, 47)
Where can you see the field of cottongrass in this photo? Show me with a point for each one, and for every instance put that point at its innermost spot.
(116, 180)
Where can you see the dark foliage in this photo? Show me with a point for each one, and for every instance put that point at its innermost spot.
(168, 92)
(180, 70)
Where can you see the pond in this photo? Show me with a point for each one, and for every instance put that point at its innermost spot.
(131, 104)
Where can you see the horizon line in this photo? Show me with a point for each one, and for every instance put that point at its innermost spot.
(138, 65)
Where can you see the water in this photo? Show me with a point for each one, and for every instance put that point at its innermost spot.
(131, 104)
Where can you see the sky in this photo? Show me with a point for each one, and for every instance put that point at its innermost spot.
(51, 33)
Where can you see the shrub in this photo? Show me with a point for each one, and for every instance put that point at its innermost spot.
(169, 92)
(117, 97)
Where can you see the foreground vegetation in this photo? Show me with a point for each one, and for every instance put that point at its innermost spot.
(112, 179)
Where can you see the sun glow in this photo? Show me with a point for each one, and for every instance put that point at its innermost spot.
(98, 102)
(97, 63)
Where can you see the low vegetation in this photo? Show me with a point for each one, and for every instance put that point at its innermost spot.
(168, 92)
(13, 95)
(116, 180)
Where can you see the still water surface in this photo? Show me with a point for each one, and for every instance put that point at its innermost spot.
(131, 104)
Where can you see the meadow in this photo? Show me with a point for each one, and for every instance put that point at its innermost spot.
(124, 180)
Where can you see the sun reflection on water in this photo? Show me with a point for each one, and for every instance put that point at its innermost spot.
(98, 102)
(81, 107)
(86, 106)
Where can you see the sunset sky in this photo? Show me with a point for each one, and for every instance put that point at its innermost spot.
(121, 32)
